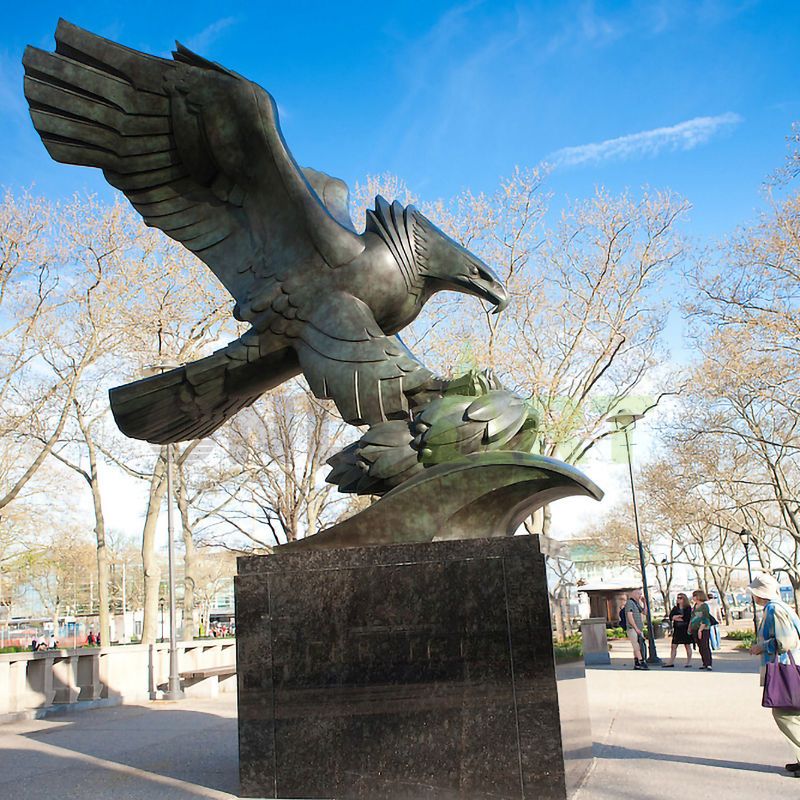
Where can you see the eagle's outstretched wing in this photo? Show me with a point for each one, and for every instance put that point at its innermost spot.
(344, 354)
(197, 150)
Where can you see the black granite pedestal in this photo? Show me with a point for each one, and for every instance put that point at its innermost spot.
(409, 672)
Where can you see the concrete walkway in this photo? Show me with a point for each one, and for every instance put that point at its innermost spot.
(671, 733)
(659, 735)
(163, 751)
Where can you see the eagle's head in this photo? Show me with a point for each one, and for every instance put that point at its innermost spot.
(430, 260)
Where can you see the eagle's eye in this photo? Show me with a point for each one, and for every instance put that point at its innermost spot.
(474, 270)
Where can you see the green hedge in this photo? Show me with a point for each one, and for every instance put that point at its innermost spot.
(745, 642)
(740, 635)
(570, 649)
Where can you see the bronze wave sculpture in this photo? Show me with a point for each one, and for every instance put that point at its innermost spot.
(198, 151)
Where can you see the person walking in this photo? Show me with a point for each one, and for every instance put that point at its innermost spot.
(680, 616)
(778, 636)
(715, 611)
(633, 620)
(700, 627)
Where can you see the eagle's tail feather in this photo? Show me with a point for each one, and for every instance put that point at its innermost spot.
(185, 403)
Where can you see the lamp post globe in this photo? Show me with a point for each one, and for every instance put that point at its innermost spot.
(623, 421)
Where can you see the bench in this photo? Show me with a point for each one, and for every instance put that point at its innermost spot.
(209, 682)
(197, 674)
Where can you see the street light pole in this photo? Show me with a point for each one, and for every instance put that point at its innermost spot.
(744, 535)
(624, 420)
(174, 691)
(124, 605)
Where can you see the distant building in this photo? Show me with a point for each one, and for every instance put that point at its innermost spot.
(604, 600)
(221, 608)
(595, 564)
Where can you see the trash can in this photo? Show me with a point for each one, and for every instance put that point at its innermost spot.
(595, 641)
(661, 629)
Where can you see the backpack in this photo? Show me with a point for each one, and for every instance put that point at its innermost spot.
(623, 619)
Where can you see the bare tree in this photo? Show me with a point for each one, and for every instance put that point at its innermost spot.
(34, 407)
(583, 331)
(746, 386)
(282, 444)
(214, 570)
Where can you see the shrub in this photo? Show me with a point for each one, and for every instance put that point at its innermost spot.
(570, 652)
(570, 649)
(740, 635)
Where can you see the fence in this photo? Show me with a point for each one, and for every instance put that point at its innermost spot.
(35, 683)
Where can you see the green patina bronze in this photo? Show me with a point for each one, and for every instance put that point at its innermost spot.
(198, 151)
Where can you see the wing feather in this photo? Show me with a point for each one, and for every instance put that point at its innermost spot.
(197, 150)
(347, 358)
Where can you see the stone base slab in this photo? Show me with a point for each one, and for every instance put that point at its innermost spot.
(405, 672)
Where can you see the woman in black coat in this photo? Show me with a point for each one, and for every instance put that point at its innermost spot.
(679, 617)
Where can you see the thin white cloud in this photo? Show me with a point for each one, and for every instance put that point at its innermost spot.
(206, 37)
(683, 136)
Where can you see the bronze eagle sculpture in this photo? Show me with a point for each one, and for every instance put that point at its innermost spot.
(198, 151)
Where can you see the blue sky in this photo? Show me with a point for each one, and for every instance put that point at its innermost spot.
(696, 96)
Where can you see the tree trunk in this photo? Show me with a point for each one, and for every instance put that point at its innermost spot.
(557, 617)
(664, 592)
(103, 578)
(721, 585)
(795, 591)
(538, 523)
(699, 576)
(150, 564)
(50, 443)
(102, 571)
(726, 612)
(565, 616)
(189, 559)
(547, 519)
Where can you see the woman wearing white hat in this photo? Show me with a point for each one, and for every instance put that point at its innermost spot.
(778, 634)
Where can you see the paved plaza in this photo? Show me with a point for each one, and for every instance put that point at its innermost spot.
(659, 734)
(671, 733)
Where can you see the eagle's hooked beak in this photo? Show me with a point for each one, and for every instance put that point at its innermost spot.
(447, 265)
(481, 281)
(500, 299)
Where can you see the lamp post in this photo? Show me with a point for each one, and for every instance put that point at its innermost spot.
(161, 609)
(174, 691)
(623, 420)
(745, 535)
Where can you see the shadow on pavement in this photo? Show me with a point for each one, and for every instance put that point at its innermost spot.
(197, 747)
(724, 662)
(612, 751)
(76, 778)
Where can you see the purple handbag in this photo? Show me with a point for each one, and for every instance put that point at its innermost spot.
(782, 685)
